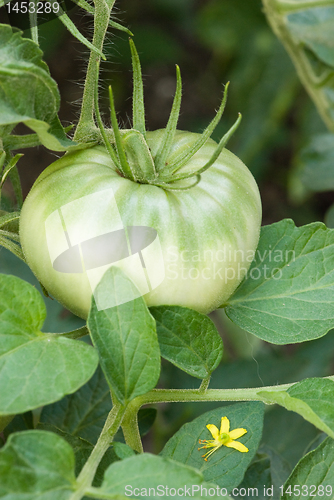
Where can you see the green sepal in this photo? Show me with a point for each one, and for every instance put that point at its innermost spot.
(167, 141)
(138, 156)
(138, 110)
(10, 234)
(179, 185)
(222, 143)
(12, 247)
(118, 140)
(14, 177)
(188, 154)
(11, 164)
(7, 218)
(108, 145)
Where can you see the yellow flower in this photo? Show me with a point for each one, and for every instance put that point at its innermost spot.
(224, 437)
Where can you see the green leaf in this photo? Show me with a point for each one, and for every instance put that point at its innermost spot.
(226, 467)
(28, 94)
(265, 475)
(35, 368)
(312, 398)
(4, 421)
(279, 468)
(57, 320)
(305, 30)
(287, 433)
(83, 413)
(82, 450)
(27, 89)
(317, 163)
(287, 296)
(188, 339)
(21, 422)
(125, 337)
(313, 28)
(122, 450)
(146, 418)
(257, 480)
(329, 217)
(146, 471)
(313, 477)
(50, 135)
(36, 464)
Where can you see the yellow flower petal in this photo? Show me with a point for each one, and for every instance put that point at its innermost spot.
(237, 446)
(214, 431)
(225, 425)
(237, 433)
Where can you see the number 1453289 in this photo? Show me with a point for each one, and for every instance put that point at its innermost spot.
(307, 491)
(32, 7)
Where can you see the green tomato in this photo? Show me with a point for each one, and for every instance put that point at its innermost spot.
(194, 246)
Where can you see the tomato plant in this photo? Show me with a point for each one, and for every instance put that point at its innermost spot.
(142, 234)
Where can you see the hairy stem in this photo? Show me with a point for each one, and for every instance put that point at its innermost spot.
(205, 384)
(131, 430)
(188, 395)
(109, 430)
(86, 120)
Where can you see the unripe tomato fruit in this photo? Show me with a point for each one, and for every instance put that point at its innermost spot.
(208, 233)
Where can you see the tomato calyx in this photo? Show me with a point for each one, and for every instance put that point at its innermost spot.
(129, 149)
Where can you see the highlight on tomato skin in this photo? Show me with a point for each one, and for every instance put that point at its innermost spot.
(190, 247)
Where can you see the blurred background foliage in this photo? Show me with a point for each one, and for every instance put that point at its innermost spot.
(213, 41)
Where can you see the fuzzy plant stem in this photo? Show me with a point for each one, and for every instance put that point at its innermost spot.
(87, 474)
(86, 123)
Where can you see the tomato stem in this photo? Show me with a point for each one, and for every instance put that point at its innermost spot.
(197, 395)
(86, 121)
(131, 430)
(205, 384)
(110, 428)
(33, 23)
